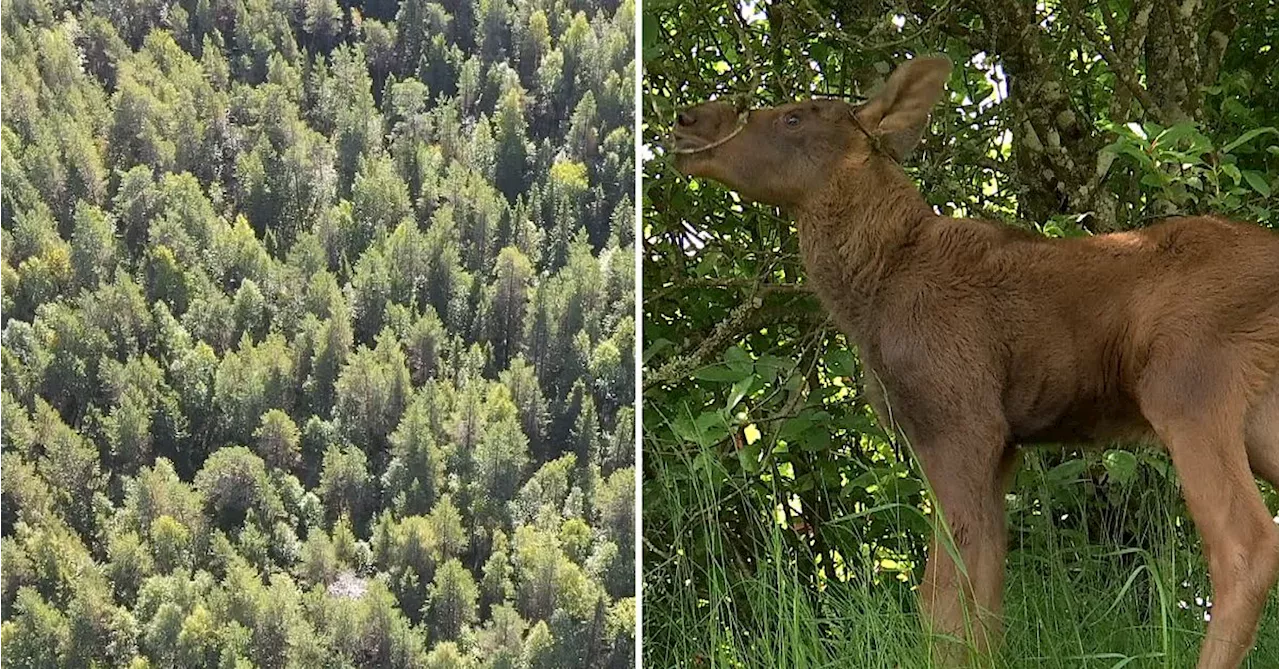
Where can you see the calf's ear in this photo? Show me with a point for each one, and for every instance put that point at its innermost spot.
(897, 115)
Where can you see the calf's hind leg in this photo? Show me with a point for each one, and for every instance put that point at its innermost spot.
(1262, 435)
(1202, 423)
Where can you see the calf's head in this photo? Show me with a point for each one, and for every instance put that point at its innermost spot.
(780, 155)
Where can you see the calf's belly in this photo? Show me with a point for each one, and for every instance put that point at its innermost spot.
(1089, 419)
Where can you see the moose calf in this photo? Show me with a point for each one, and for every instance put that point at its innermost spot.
(982, 337)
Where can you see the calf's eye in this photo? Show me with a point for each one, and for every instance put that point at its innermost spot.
(792, 120)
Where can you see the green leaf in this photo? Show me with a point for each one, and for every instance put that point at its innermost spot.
(655, 348)
(1178, 132)
(816, 439)
(1127, 148)
(718, 373)
(739, 360)
(739, 391)
(898, 487)
(773, 364)
(711, 429)
(792, 427)
(840, 362)
(1231, 106)
(684, 429)
(650, 38)
(861, 423)
(1155, 180)
(1242, 139)
(749, 457)
(1067, 472)
(1257, 182)
(707, 466)
(649, 30)
(1120, 465)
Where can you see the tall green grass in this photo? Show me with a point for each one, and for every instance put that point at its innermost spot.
(1071, 600)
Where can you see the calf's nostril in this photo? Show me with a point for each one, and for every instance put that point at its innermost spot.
(685, 119)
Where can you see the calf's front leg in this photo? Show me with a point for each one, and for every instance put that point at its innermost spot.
(964, 578)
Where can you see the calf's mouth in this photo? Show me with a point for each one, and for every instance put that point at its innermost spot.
(705, 127)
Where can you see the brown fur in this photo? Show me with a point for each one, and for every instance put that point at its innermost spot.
(984, 337)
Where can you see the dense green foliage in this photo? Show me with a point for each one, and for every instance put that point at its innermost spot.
(317, 332)
(783, 527)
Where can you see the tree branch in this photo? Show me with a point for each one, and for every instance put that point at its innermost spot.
(1135, 30)
(1119, 67)
(745, 319)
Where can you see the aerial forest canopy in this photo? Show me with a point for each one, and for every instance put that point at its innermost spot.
(317, 333)
(784, 526)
